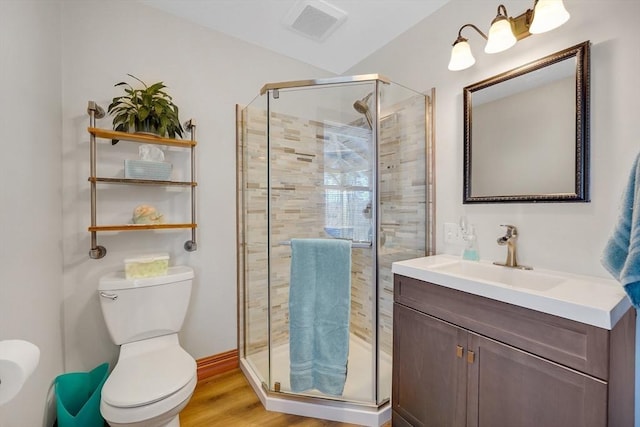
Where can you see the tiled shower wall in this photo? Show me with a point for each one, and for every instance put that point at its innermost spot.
(297, 211)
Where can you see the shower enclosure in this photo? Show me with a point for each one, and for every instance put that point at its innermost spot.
(338, 158)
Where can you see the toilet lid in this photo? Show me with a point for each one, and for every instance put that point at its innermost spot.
(148, 377)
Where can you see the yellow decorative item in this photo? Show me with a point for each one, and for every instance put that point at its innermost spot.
(146, 266)
(146, 214)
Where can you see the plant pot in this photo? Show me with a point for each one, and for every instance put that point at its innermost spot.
(148, 110)
(147, 129)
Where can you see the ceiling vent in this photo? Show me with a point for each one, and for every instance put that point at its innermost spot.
(315, 19)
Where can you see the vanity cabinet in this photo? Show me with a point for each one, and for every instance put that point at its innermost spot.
(465, 360)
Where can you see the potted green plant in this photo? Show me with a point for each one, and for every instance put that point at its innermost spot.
(149, 109)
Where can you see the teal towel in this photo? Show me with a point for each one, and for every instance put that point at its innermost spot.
(319, 309)
(621, 256)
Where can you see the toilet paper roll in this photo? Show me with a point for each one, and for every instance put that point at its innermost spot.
(18, 360)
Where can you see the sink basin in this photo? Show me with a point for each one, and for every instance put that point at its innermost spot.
(526, 279)
(591, 300)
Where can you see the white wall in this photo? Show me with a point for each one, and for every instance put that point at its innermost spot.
(568, 237)
(30, 209)
(207, 73)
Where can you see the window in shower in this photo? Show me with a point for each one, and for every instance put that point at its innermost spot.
(347, 183)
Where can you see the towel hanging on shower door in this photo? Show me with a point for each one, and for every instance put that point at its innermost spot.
(319, 309)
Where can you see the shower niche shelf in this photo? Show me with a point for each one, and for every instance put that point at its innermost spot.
(95, 134)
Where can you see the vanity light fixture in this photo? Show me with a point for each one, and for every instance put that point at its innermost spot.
(505, 30)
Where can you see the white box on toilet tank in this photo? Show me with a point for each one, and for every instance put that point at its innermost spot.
(145, 266)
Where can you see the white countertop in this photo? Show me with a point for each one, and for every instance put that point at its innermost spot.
(592, 300)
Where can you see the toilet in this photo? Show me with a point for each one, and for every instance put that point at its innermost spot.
(154, 377)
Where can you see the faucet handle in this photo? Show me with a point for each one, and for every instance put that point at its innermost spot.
(511, 229)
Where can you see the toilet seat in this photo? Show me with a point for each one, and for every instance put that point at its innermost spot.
(153, 377)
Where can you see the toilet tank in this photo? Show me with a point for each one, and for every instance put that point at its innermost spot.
(138, 309)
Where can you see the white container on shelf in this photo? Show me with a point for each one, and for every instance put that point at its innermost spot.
(146, 169)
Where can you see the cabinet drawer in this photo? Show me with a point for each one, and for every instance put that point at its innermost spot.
(573, 344)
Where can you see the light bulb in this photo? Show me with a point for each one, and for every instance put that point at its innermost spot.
(548, 15)
(461, 56)
(500, 36)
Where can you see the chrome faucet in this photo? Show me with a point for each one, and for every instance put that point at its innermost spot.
(510, 239)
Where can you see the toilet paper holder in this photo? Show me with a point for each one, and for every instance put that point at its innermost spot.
(18, 360)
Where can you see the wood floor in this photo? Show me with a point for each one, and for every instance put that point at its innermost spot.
(228, 400)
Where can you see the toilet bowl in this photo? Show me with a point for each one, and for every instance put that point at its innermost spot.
(152, 382)
(154, 376)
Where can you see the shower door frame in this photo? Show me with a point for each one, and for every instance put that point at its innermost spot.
(363, 78)
(429, 214)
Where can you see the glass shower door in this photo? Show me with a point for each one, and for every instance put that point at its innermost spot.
(402, 204)
(253, 225)
(321, 185)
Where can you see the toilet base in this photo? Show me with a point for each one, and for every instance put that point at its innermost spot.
(175, 422)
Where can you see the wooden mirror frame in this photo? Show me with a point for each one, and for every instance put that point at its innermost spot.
(581, 53)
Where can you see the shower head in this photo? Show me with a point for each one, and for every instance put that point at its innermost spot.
(362, 107)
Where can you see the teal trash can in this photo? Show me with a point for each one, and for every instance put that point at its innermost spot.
(78, 397)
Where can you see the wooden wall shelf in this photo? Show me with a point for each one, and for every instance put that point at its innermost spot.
(96, 112)
(137, 227)
(141, 181)
(139, 137)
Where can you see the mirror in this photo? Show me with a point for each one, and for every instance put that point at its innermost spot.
(526, 132)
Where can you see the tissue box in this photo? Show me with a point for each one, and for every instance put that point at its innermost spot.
(147, 169)
(146, 266)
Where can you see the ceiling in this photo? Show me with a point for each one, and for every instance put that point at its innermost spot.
(369, 25)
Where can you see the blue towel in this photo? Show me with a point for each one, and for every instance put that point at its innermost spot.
(621, 255)
(319, 308)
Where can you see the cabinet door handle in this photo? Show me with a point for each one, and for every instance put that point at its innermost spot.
(459, 351)
(470, 356)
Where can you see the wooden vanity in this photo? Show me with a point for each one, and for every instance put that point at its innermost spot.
(462, 359)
